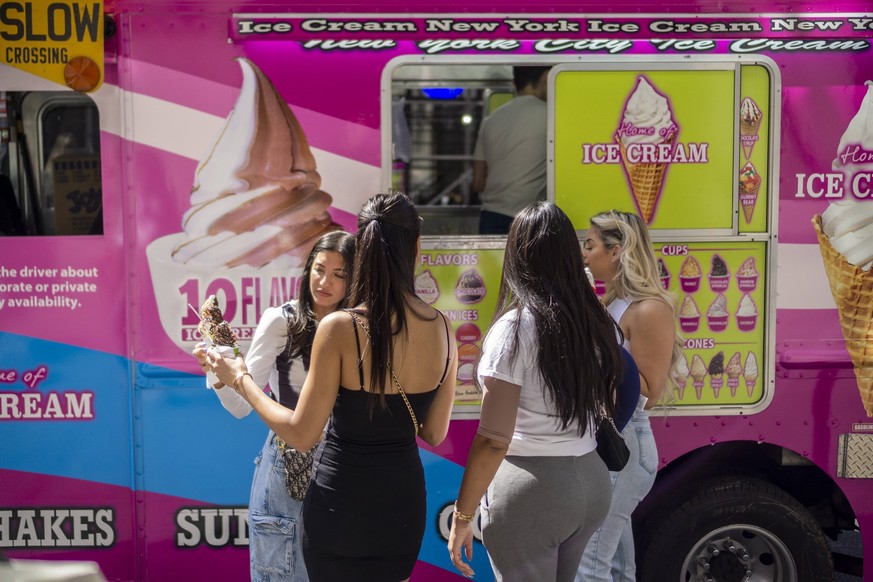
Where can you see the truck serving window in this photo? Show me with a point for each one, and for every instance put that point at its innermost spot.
(50, 180)
(436, 111)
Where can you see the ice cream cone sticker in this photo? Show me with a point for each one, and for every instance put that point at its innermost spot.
(750, 122)
(845, 237)
(647, 125)
(750, 183)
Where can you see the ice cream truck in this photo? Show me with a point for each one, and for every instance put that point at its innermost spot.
(151, 155)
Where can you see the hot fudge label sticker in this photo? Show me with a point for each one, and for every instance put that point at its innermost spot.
(470, 287)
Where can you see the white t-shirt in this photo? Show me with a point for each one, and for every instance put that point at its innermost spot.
(512, 142)
(538, 431)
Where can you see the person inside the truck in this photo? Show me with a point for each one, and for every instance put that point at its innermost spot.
(618, 250)
(549, 364)
(280, 354)
(383, 373)
(509, 160)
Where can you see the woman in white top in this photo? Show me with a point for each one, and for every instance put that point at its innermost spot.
(280, 353)
(618, 250)
(549, 363)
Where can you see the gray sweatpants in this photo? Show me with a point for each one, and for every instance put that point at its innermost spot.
(538, 514)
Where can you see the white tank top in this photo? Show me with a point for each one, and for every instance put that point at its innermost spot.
(616, 309)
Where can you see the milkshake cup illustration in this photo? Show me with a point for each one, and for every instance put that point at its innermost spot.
(734, 370)
(716, 373)
(257, 207)
(747, 314)
(750, 123)
(663, 273)
(647, 119)
(719, 276)
(689, 315)
(689, 275)
(747, 275)
(750, 373)
(750, 183)
(698, 373)
(845, 236)
(717, 315)
(679, 375)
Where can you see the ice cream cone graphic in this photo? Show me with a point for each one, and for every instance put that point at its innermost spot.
(750, 183)
(646, 121)
(698, 373)
(750, 373)
(851, 286)
(645, 180)
(750, 123)
(679, 375)
(733, 370)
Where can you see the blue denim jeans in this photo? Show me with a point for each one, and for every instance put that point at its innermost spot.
(275, 522)
(609, 556)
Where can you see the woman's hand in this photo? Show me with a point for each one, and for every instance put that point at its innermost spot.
(461, 536)
(226, 367)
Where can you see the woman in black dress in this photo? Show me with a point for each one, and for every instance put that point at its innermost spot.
(382, 373)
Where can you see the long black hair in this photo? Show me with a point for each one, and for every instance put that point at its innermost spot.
(301, 324)
(543, 273)
(383, 278)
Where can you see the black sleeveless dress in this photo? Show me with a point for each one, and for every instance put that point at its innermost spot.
(365, 512)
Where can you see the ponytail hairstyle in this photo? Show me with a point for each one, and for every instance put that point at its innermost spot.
(301, 324)
(637, 277)
(543, 274)
(383, 276)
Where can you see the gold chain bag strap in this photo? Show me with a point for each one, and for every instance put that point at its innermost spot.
(393, 376)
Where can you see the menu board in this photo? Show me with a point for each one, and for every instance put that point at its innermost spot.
(720, 293)
(463, 284)
(658, 142)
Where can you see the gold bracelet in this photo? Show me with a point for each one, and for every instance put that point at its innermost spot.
(462, 516)
(239, 377)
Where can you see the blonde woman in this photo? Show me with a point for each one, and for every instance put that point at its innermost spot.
(618, 250)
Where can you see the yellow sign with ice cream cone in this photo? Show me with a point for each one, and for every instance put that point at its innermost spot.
(655, 142)
(61, 41)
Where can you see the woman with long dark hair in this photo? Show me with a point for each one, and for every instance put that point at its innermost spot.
(618, 250)
(280, 354)
(549, 365)
(382, 372)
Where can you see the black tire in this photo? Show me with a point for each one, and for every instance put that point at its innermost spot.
(736, 529)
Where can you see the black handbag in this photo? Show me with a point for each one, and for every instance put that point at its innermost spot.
(611, 446)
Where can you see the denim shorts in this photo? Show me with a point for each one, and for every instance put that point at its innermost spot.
(275, 522)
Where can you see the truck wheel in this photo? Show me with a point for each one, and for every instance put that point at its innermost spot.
(736, 529)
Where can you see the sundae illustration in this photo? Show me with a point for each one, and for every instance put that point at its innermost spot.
(717, 315)
(747, 314)
(689, 315)
(470, 287)
(689, 274)
(845, 236)
(257, 206)
(716, 372)
(750, 183)
(719, 277)
(426, 287)
(698, 373)
(750, 373)
(750, 123)
(747, 275)
(734, 370)
(663, 273)
(647, 119)
(679, 375)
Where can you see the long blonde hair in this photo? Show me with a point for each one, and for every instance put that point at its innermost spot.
(637, 277)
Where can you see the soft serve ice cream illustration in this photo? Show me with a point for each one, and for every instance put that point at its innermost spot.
(257, 208)
(647, 119)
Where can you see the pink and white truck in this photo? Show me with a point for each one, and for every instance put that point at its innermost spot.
(146, 151)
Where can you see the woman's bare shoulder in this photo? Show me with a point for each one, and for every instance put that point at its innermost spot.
(648, 311)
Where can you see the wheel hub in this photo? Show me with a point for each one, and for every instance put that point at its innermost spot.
(739, 553)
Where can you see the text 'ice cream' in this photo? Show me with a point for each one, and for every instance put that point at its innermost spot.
(256, 198)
